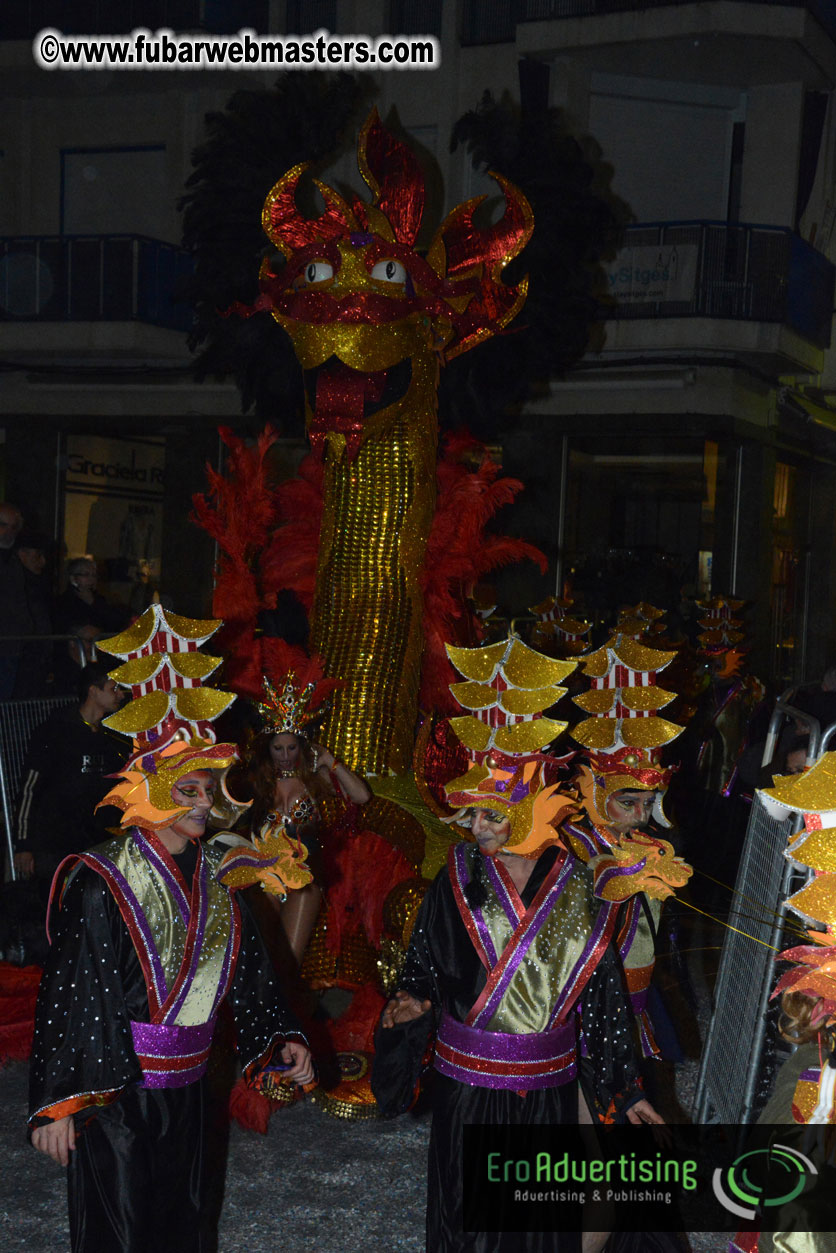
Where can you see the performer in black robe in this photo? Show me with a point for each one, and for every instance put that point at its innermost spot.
(150, 1139)
(149, 942)
(510, 964)
(443, 968)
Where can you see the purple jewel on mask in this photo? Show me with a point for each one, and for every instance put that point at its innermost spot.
(502, 785)
(519, 793)
(149, 765)
(359, 240)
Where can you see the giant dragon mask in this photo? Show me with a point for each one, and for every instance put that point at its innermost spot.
(370, 317)
(371, 320)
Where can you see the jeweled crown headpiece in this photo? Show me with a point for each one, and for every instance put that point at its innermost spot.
(296, 691)
(169, 715)
(286, 710)
(508, 686)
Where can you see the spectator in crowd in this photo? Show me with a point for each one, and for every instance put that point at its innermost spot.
(14, 616)
(817, 699)
(80, 602)
(35, 655)
(71, 656)
(791, 758)
(66, 774)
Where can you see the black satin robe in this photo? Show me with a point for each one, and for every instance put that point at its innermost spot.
(136, 1177)
(443, 966)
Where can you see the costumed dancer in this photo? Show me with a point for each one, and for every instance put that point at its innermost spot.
(805, 1087)
(620, 790)
(732, 697)
(289, 775)
(510, 958)
(147, 943)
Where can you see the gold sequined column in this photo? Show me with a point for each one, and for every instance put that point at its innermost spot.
(366, 620)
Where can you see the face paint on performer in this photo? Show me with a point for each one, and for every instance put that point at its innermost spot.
(285, 750)
(629, 810)
(491, 830)
(197, 790)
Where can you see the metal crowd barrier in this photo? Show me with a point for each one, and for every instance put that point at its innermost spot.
(731, 1058)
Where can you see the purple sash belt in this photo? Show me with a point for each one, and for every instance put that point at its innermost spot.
(494, 1059)
(170, 1056)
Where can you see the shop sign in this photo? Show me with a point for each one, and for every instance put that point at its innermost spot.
(650, 274)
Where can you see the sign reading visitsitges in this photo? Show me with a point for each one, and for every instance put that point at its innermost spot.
(626, 1178)
(649, 274)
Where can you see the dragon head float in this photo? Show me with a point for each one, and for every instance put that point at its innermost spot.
(369, 315)
(372, 318)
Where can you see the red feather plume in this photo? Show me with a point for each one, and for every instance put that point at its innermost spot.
(269, 540)
(460, 553)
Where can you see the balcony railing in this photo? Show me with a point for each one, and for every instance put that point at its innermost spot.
(93, 278)
(415, 17)
(304, 16)
(723, 270)
(22, 19)
(494, 21)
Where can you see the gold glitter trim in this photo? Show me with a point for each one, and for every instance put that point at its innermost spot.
(517, 700)
(141, 670)
(140, 714)
(816, 901)
(153, 619)
(479, 664)
(201, 704)
(472, 695)
(475, 735)
(811, 792)
(819, 849)
(628, 653)
(603, 733)
(529, 669)
(528, 737)
(194, 665)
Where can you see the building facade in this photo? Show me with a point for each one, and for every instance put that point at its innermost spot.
(695, 443)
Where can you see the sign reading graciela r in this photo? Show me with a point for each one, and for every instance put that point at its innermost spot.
(650, 274)
(626, 1178)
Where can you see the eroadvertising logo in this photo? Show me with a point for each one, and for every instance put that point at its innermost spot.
(762, 1179)
(675, 1178)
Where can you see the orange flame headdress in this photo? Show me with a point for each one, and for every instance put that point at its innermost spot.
(169, 715)
(508, 686)
(624, 733)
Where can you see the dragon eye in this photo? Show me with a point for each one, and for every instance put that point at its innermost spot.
(389, 271)
(318, 272)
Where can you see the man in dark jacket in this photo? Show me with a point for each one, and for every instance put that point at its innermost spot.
(65, 776)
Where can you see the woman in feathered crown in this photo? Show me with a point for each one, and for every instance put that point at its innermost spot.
(289, 774)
